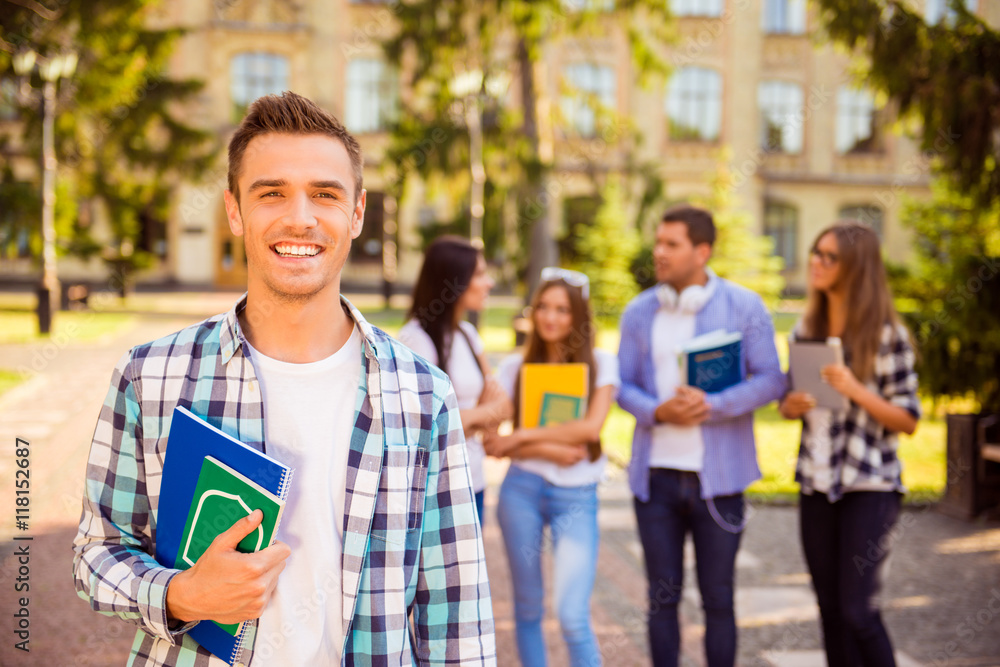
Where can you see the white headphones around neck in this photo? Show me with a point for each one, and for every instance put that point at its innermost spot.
(692, 299)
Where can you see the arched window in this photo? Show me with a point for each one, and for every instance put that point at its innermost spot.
(856, 131)
(786, 17)
(781, 223)
(595, 88)
(372, 95)
(867, 214)
(694, 104)
(253, 74)
(782, 116)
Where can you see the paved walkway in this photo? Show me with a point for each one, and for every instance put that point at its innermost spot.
(942, 600)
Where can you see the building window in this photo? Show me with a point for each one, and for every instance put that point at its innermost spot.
(866, 214)
(935, 10)
(694, 104)
(595, 89)
(371, 98)
(781, 223)
(588, 5)
(254, 74)
(781, 115)
(367, 248)
(855, 121)
(696, 7)
(786, 17)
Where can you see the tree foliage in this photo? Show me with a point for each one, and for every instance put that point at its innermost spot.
(946, 74)
(955, 282)
(121, 136)
(606, 249)
(496, 48)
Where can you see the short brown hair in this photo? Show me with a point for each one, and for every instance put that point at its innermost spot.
(699, 223)
(289, 113)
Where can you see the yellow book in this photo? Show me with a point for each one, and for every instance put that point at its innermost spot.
(554, 386)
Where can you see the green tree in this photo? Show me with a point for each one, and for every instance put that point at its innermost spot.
(121, 135)
(945, 74)
(606, 249)
(954, 282)
(491, 46)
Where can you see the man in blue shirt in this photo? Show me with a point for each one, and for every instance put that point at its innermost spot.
(693, 453)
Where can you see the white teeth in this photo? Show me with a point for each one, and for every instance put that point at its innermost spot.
(297, 250)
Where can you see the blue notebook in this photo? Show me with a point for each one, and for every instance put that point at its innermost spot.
(713, 361)
(191, 439)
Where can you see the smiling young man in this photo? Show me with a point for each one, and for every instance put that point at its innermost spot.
(379, 558)
(693, 453)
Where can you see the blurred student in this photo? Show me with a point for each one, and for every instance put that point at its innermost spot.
(453, 281)
(848, 464)
(693, 453)
(552, 479)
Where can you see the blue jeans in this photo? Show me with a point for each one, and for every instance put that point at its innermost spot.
(675, 508)
(527, 503)
(480, 498)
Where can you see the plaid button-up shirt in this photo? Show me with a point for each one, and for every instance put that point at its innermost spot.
(412, 547)
(862, 450)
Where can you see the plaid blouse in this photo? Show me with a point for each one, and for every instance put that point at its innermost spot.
(863, 452)
(412, 551)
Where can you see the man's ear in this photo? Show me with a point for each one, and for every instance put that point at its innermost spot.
(358, 218)
(233, 213)
(703, 251)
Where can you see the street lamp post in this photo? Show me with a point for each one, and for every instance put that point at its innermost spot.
(50, 70)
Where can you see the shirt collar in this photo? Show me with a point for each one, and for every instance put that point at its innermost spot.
(231, 336)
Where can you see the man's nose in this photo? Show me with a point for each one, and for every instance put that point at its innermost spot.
(300, 211)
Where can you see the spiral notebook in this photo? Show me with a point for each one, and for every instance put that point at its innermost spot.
(191, 443)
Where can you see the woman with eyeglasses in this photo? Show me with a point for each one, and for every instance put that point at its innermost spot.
(848, 464)
(454, 281)
(552, 481)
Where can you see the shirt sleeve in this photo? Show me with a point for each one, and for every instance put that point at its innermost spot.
(765, 382)
(414, 337)
(113, 566)
(506, 373)
(631, 396)
(607, 370)
(898, 379)
(453, 611)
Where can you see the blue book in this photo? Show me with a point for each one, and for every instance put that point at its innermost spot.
(713, 362)
(190, 441)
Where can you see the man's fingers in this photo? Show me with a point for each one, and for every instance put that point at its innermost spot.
(239, 530)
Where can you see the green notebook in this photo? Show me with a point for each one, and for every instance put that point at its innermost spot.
(560, 408)
(221, 498)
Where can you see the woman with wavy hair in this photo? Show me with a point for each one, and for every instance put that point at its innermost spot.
(848, 465)
(454, 281)
(553, 476)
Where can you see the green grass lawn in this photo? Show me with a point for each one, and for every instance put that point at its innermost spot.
(21, 326)
(8, 380)
(923, 454)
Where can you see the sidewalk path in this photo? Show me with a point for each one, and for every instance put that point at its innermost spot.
(942, 599)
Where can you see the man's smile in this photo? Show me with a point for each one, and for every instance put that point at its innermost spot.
(296, 249)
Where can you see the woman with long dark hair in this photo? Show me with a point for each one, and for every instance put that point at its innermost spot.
(454, 281)
(552, 480)
(848, 465)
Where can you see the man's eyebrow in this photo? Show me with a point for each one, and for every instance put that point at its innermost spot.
(331, 185)
(265, 183)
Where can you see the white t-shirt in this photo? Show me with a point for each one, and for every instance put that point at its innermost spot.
(309, 412)
(674, 447)
(580, 473)
(466, 376)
